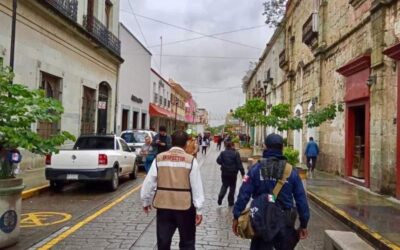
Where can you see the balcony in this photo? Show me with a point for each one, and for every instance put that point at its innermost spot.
(283, 62)
(102, 34)
(68, 8)
(310, 31)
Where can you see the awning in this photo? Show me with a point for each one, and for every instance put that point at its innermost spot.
(154, 110)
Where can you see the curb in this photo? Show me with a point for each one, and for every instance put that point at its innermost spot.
(34, 191)
(372, 236)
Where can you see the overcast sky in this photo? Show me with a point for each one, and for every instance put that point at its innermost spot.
(211, 69)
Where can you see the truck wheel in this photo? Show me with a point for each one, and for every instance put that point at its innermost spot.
(134, 173)
(113, 183)
(56, 186)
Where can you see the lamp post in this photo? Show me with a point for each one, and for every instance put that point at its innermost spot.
(13, 28)
(176, 113)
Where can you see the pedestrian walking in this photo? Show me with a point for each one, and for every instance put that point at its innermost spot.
(162, 141)
(191, 145)
(219, 142)
(148, 153)
(204, 145)
(173, 186)
(311, 154)
(261, 180)
(231, 164)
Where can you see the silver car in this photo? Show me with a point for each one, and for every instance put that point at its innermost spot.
(135, 140)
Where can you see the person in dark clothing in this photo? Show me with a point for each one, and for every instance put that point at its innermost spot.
(231, 164)
(219, 142)
(255, 184)
(204, 145)
(311, 153)
(162, 141)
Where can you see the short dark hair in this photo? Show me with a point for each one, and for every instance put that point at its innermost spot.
(179, 138)
(274, 141)
(162, 129)
(228, 145)
(311, 138)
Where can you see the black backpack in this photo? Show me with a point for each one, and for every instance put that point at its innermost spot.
(266, 216)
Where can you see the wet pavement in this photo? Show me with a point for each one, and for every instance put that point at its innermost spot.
(125, 226)
(380, 215)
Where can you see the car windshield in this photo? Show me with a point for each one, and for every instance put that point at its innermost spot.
(94, 143)
(134, 137)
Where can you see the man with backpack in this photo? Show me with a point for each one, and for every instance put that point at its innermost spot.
(273, 184)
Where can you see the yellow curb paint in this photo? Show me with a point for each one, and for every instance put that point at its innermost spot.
(359, 224)
(34, 191)
(88, 219)
(41, 219)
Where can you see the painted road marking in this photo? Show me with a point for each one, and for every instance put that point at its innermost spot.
(41, 219)
(88, 219)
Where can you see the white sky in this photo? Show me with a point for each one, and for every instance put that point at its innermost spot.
(189, 62)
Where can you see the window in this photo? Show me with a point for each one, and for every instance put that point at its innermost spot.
(165, 102)
(124, 146)
(51, 86)
(155, 98)
(160, 101)
(169, 103)
(135, 120)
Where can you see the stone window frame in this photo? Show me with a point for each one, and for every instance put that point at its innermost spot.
(356, 3)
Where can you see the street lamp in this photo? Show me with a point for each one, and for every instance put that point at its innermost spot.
(176, 113)
(13, 28)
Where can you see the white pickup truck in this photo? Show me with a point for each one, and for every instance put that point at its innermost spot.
(102, 158)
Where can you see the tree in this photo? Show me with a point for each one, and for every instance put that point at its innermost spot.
(281, 118)
(20, 108)
(274, 10)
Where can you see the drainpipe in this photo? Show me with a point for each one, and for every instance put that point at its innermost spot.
(116, 100)
(13, 28)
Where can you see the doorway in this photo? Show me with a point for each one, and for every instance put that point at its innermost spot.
(358, 169)
(135, 119)
(88, 111)
(124, 125)
(102, 115)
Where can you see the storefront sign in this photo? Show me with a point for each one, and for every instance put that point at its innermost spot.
(136, 99)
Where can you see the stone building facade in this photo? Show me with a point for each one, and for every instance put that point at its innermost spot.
(347, 52)
(72, 51)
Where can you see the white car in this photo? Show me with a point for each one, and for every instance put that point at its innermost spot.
(135, 140)
(100, 158)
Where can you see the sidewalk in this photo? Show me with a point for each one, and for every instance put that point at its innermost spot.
(33, 178)
(372, 215)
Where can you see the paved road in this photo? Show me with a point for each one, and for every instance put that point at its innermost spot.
(125, 226)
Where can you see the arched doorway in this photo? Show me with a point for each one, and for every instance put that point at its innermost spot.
(102, 107)
(297, 134)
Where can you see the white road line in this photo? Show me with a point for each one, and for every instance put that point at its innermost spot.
(49, 238)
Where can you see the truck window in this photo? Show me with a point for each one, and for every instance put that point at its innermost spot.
(124, 146)
(90, 143)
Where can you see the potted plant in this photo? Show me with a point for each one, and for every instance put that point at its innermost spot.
(246, 151)
(20, 108)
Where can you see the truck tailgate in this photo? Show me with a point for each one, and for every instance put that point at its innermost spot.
(75, 159)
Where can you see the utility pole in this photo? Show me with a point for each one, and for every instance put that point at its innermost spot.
(161, 55)
(13, 27)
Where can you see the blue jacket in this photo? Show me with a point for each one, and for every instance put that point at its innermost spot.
(312, 149)
(253, 186)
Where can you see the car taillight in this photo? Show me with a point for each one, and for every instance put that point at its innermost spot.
(103, 160)
(48, 160)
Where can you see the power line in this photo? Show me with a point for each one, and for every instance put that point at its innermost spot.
(141, 32)
(214, 34)
(211, 57)
(192, 31)
(214, 91)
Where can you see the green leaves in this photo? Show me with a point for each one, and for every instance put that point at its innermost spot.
(292, 155)
(281, 118)
(20, 108)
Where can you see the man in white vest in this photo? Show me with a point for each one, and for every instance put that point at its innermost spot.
(175, 183)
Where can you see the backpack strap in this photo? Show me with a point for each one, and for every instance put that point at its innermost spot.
(281, 182)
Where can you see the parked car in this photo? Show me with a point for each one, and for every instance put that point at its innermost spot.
(100, 158)
(135, 140)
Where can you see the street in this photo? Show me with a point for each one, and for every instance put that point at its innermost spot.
(92, 223)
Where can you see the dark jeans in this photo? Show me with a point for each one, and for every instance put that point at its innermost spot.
(311, 161)
(228, 180)
(204, 149)
(167, 223)
(219, 146)
(287, 239)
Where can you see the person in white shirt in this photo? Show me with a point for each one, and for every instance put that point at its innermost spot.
(174, 181)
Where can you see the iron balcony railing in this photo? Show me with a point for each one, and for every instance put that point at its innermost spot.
(68, 8)
(102, 34)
